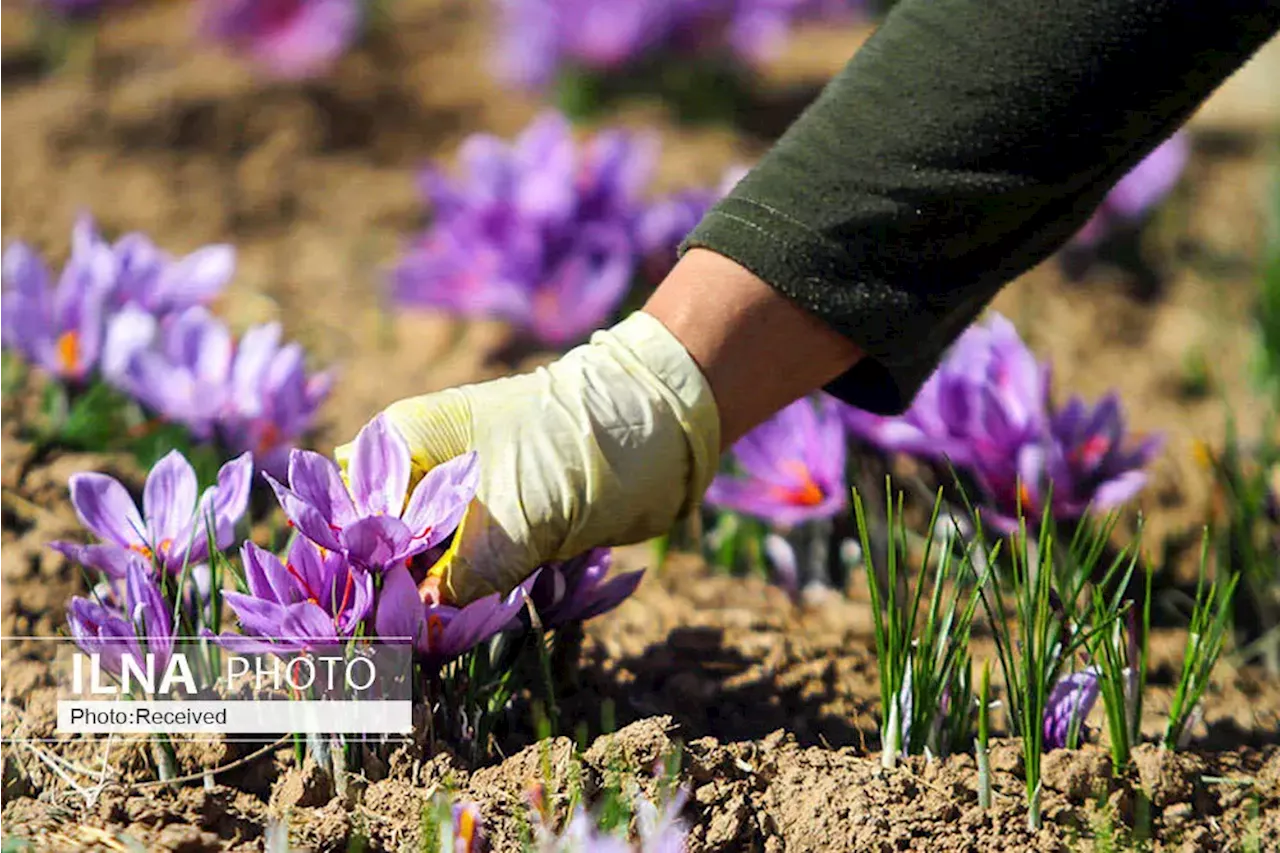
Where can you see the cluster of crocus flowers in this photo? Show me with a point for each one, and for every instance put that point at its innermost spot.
(547, 232)
(365, 542)
(252, 394)
(539, 232)
(290, 39)
(135, 316)
(538, 38)
(987, 410)
(1138, 193)
(140, 552)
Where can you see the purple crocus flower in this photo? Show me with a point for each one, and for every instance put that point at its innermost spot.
(372, 524)
(61, 329)
(575, 590)
(171, 530)
(254, 394)
(987, 410)
(311, 596)
(538, 37)
(793, 464)
(185, 375)
(1138, 192)
(1069, 703)
(152, 279)
(138, 623)
(988, 394)
(287, 38)
(1082, 463)
(468, 828)
(441, 632)
(665, 223)
(273, 399)
(539, 233)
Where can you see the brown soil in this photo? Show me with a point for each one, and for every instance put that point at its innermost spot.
(773, 702)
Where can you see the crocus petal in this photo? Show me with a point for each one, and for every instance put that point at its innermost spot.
(609, 595)
(257, 616)
(169, 502)
(318, 482)
(306, 518)
(309, 622)
(378, 540)
(379, 468)
(104, 506)
(267, 579)
(227, 501)
(111, 560)
(197, 278)
(400, 609)
(441, 498)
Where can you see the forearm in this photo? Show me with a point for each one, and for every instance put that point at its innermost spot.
(965, 141)
(757, 349)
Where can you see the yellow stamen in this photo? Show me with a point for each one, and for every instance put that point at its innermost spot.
(69, 351)
(1202, 453)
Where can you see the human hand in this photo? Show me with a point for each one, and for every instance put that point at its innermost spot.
(608, 445)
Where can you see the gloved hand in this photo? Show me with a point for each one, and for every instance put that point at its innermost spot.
(608, 445)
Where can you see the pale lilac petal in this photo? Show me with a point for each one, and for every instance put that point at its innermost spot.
(306, 518)
(197, 278)
(379, 468)
(318, 481)
(169, 502)
(104, 506)
(378, 540)
(441, 498)
(400, 610)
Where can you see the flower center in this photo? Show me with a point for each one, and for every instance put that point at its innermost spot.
(466, 828)
(268, 438)
(69, 351)
(306, 587)
(143, 550)
(1092, 450)
(807, 493)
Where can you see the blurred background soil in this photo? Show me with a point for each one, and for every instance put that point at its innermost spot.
(314, 184)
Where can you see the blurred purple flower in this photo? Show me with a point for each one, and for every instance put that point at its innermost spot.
(1138, 192)
(576, 590)
(372, 524)
(539, 233)
(61, 329)
(1069, 703)
(287, 38)
(171, 531)
(184, 372)
(538, 37)
(989, 394)
(254, 395)
(152, 279)
(794, 467)
(1083, 464)
(987, 410)
(273, 398)
(441, 632)
(311, 597)
(140, 623)
(665, 223)
(468, 828)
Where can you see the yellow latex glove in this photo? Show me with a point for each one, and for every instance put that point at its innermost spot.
(608, 445)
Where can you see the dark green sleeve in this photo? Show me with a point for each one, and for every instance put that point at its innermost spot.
(965, 142)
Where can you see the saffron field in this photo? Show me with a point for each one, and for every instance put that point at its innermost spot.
(1038, 611)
